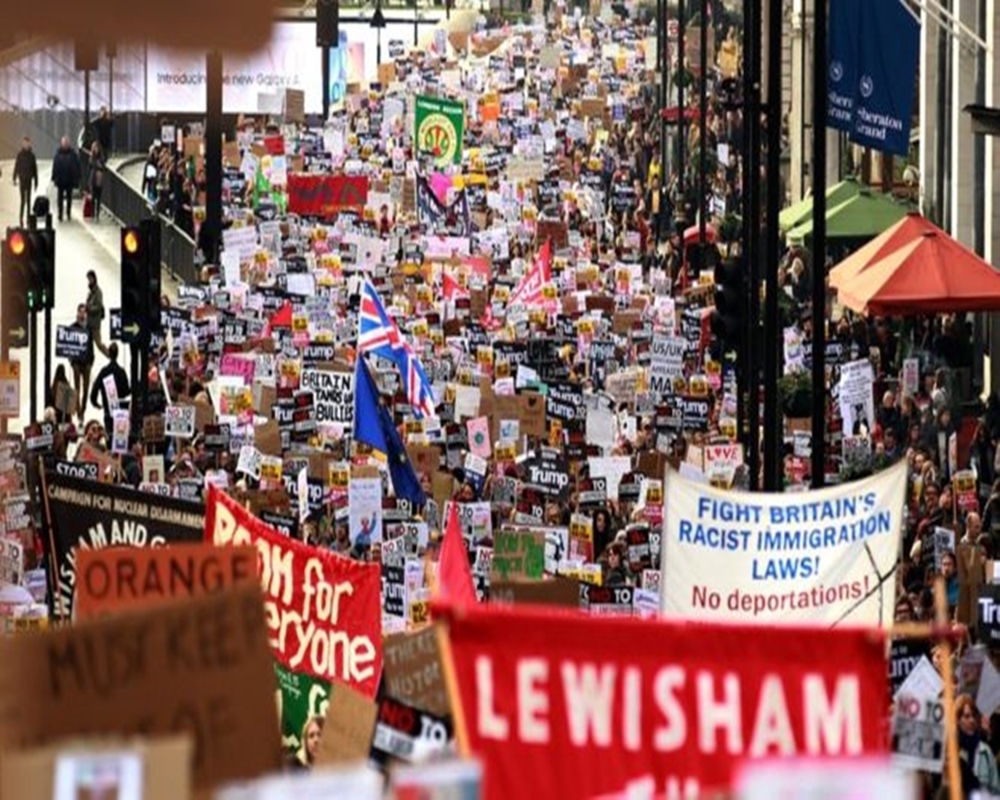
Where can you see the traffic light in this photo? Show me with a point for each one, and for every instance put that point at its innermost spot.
(18, 291)
(43, 266)
(729, 318)
(140, 249)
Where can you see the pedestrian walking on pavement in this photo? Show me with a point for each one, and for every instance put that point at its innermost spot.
(95, 311)
(98, 166)
(66, 176)
(26, 177)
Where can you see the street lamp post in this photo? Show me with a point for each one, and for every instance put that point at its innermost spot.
(378, 23)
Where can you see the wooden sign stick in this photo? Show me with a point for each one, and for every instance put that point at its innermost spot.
(948, 673)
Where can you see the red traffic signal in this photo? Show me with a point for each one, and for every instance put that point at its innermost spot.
(17, 243)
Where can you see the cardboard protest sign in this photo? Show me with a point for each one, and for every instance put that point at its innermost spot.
(347, 732)
(825, 556)
(160, 767)
(202, 666)
(413, 671)
(84, 515)
(558, 592)
(120, 578)
(550, 716)
(324, 611)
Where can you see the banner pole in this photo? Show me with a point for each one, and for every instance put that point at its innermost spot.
(442, 632)
(52, 541)
(950, 723)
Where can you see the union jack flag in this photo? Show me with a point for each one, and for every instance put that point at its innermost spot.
(379, 334)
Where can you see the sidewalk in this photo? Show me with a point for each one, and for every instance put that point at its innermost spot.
(80, 246)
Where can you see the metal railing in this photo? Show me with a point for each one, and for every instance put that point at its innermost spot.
(130, 206)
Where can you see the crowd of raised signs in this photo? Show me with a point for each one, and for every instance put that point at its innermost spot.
(469, 302)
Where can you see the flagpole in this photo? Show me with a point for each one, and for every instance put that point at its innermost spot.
(442, 633)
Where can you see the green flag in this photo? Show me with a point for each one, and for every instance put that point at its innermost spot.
(440, 127)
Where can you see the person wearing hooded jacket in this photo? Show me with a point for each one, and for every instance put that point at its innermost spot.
(66, 176)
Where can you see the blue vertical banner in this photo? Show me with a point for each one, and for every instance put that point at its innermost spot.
(888, 53)
(841, 77)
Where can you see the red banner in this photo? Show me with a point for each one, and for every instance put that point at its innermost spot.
(567, 705)
(325, 195)
(324, 611)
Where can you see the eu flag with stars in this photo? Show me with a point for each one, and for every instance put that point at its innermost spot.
(373, 426)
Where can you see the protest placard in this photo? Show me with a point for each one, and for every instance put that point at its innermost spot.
(11, 561)
(780, 558)
(518, 553)
(202, 666)
(347, 732)
(857, 402)
(413, 671)
(333, 394)
(120, 578)
(179, 421)
(72, 343)
(365, 502)
(339, 597)
(918, 721)
(404, 733)
(549, 720)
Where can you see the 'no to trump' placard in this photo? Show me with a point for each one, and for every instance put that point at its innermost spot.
(561, 705)
(324, 612)
(822, 557)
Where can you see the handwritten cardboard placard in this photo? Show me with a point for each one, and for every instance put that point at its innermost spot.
(121, 578)
(413, 671)
(201, 666)
(557, 592)
(350, 723)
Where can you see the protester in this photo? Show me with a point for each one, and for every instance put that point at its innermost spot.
(483, 362)
(82, 365)
(110, 387)
(95, 311)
